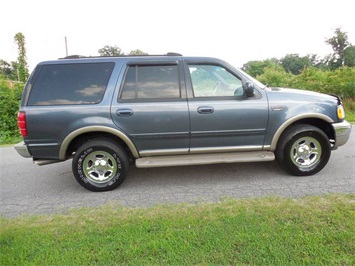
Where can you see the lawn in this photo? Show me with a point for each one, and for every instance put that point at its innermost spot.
(264, 231)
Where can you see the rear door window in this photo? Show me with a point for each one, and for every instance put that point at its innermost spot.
(151, 82)
(67, 84)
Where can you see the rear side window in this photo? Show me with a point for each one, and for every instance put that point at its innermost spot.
(70, 84)
(151, 82)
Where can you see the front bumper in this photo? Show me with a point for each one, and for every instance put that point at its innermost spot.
(342, 133)
(21, 149)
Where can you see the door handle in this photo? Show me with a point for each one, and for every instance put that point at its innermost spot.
(205, 110)
(124, 112)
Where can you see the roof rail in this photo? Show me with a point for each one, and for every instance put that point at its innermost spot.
(74, 56)
(173, 54)
(82, 56)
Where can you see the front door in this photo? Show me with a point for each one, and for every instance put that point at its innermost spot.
(222, 118)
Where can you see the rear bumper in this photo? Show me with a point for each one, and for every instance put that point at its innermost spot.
(21, 149)
(342, 133)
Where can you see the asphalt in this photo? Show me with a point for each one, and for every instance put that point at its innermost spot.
(28, 189)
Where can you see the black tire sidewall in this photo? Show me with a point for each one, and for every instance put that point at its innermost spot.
(100, 145)
(291, 137)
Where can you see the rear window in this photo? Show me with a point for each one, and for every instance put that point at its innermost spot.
(64, 84)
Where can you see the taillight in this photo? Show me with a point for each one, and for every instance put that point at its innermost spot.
(21, 121)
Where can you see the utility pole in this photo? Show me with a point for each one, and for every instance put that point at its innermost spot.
(66, 46)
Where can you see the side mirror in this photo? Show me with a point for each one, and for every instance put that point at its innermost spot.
(248, 89)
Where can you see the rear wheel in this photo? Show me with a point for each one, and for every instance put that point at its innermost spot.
(100, 165)
(303, 150)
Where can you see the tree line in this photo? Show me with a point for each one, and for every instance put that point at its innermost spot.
(333, 74)
(343, 55)
(18, 70)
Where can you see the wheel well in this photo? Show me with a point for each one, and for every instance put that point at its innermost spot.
(326, 127)
(321, 124)
(81, 139)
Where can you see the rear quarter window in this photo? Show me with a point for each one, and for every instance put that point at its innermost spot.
(67, 84)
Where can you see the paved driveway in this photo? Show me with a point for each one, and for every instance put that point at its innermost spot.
(30, 189)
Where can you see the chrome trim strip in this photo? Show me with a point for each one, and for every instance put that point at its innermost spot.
(278, 107)
(202, 159)
(266, 147)
(164, 152)
(342, 133)
(43, 144)
(83, 130)
(227, 132)
(282, 128)
(160, 135)
(225, 149)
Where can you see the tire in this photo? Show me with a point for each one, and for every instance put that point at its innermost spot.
(100, 165)
(303, 150)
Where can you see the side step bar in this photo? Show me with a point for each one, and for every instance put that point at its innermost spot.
(46, 162)
(201, 159)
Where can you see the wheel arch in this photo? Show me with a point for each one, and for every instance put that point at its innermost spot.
(79, 136)
(321, 121)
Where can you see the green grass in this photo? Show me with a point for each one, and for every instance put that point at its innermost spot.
(265, 231)
(350, 116)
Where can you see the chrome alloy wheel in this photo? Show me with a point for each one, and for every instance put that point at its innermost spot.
(306, 152)
(100, 166)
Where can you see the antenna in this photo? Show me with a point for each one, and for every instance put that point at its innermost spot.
(66, 46)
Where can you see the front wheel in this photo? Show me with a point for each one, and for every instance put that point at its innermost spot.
(303, 150)
(100, 165)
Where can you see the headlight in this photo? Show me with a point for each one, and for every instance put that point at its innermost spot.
(340, 112)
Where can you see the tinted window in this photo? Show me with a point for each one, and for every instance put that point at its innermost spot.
(211, 81)
(151, 82)
(70, 84)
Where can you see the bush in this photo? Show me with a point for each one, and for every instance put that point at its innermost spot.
(340, 81)
(9, 102)
(276, 76)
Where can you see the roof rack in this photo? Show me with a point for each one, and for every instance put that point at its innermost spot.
(75, 56)
(173, 54)
(82, 56)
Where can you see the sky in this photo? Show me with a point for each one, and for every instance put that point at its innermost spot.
(233, 30)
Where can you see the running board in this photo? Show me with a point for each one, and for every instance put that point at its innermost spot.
(46, 162)
(200, 159)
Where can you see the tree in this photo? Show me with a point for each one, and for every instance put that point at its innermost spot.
(22, 69)
(137, 52)
(349, 56)
(110, 51)
(339, 43)
(9, 70)
(294, 64)
(318, 62)
(5, 69)
(256, 68)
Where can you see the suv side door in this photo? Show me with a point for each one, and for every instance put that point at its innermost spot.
(151, 107)
(222, 118)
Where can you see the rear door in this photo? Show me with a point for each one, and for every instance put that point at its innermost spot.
(222, 118)
(151, 107)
